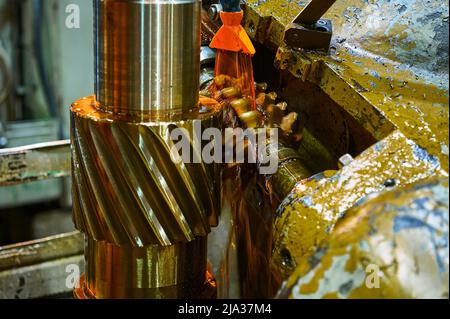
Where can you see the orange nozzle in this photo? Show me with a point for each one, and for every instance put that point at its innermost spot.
(232, 36)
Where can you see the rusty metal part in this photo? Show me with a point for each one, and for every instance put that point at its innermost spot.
(37, 269)
(34, 162)
(128, 192)
(147, 56)
(33, 252)
(392, 245)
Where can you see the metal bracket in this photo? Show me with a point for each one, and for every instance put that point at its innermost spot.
(308, 30)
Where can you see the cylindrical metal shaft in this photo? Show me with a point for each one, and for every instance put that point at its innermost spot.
(144, 216)
(152, 271)
(147, 55)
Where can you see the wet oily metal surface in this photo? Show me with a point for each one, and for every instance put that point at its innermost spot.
(387, 66)
(394, 245)
(33, 163)
(249, 239)
(387, 70)
(308, 214)
(144, 215)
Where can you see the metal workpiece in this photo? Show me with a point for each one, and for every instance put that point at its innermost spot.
(207, 60)
(128, 189)
(152, 271)
(309, 213)
(131, 197)
(147, 55)
(315, 37)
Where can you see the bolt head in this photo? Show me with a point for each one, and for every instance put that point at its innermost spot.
(214, 11)
(345, 160)
(390, 182)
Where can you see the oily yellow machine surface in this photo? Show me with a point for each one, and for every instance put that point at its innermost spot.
(358, 207)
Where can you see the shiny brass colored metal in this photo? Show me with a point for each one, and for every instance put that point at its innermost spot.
(240, 106)
(251, 119)
(147, 56)
(291, 170)
(230, 92)
(127, 188)
(34, 162)
(207, 291)
(41, 251)
(132, 201)
(152, 271)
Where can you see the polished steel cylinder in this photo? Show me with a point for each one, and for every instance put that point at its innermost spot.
(147, 56)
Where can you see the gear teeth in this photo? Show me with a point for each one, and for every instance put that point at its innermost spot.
(127, 189)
